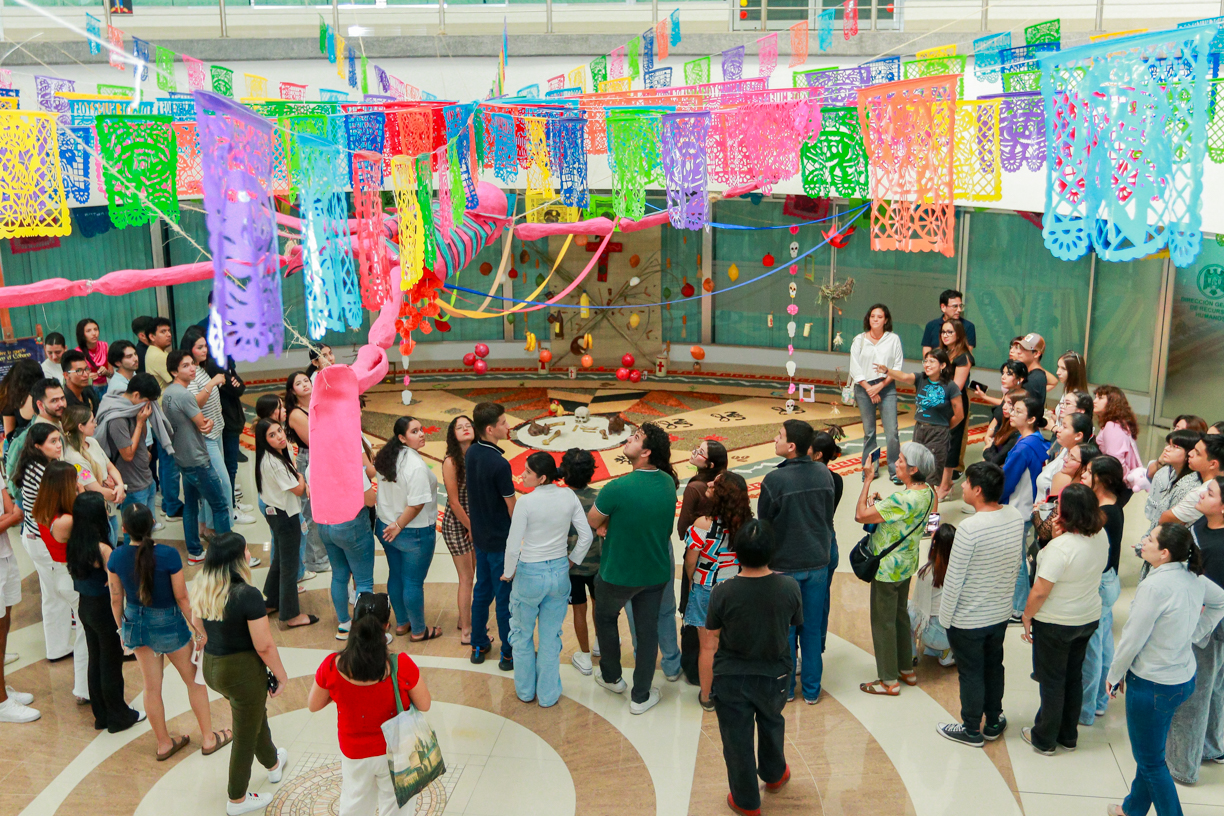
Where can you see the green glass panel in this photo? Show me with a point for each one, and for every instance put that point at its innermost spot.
(1125, 301)
(1195, 378)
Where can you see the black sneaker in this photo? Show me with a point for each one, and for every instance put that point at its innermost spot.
(506, 664)
(1015, 620)
(177, 515)
(1065, 747)
(993, 732)
(478, 655)
(957, 733)
(242, 457)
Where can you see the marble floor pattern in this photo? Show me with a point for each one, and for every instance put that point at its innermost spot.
(850, 754)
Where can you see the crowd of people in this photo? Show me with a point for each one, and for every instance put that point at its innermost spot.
(94, 433)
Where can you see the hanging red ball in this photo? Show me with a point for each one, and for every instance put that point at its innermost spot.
(635, 376)
(481, 350)
(481, 367)
(627, 361)
(622, 374)
(513, 272)
(743, 15)
(545, 356)
(767, 261)
(486, 268)
(469, 359)
(687, 290)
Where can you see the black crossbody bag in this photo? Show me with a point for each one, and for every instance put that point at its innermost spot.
(866, 564)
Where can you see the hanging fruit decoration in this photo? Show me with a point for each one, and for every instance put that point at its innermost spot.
(584, 305)
(510, 319)
(686, 289)
(767, 261)
(524, 256)
(587, 361)
(481, 350)
(469, 359)
(697, 352)
(486, 268)
(539, 279)
(635, 280)
(580, 240)
(627, 361)
(733, 273)
(667, 293)
(537, 263)
(442, 325)
(634, 260)
(622, 374)
(635, 376)
(480, 367)
(634, 320)
(708, 284)
(545, 356)
(513, 273)
(531, 339)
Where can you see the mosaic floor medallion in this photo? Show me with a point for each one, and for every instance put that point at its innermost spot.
(314, 790)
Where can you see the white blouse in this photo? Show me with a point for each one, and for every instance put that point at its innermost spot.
(278, 484)
(864, 355)
(539, 528)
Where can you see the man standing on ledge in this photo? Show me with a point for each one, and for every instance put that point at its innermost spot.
(490, 487)
(797, 500)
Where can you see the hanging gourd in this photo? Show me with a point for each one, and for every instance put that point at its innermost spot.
(733, 273)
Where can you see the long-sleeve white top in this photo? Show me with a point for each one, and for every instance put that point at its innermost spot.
(864, 354)
(1173, 608)
(539, 528)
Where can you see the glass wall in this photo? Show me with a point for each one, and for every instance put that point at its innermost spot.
(1195, 378)
(742, 314)
(909, 283)
(1121, 342)
(1013, 285)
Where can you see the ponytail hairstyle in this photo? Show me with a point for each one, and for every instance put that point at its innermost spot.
(716, 461)
(267, 405)
(732, 506)
(578, 468)
(542, 464)
(74, 417)
(90, 528)
(659, 444)
(824, 444)
(1178, 541)
(387, 458)
(56, 493)
(1082, 424)
(364, 657)
(138, 523)
(1106, 471)
(940, 554)
(262, 449)
(31, 454)
(225, 563)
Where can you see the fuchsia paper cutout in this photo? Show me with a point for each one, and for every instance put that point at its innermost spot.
(197, 77)
(767, 55)
(850, 19)
(293, 91)
(616, 63)
(374, 268)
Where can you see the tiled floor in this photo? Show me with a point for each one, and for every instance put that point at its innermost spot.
(851, 754)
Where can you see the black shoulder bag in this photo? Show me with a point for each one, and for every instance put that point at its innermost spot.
(866, 564)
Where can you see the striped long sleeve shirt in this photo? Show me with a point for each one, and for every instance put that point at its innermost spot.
(982, 570)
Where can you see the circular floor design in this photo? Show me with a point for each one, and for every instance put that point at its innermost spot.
(317, 793)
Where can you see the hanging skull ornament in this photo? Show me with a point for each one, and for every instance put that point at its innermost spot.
(794, 249)
(794, 290)
(790, 328)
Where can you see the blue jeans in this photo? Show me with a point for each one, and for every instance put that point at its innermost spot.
(540, 592)
(1100, 651)
(1149, 712)
(408, 557)
(227, 487)
(888, 415)
(490, 586)
(168, 478)
(350, 548)
(1020, 597)
(202, 483)
(669, 643)
(144, 497)
(808, 638)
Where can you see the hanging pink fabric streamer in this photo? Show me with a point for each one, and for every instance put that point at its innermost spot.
(616, 63)
(850, 19)
(197, 77)
(767, 55)
(374, 268)
(799, 43)
(733, 63)
(121, 282)
(236, 156)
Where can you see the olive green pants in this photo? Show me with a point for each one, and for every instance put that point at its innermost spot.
(890, 629)
(242, 679)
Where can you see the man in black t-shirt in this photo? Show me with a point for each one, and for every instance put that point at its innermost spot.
(490, 489)
(751, 614)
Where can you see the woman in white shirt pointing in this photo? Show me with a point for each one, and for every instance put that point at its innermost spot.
(407, 512)
(877, 345)
(536, 561)
(1174, 607)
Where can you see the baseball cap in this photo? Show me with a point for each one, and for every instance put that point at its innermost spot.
(1032, 342)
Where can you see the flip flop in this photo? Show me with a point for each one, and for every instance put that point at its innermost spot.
(466, 640)
(178, 745)
(430, 634)
(878, 687)
(220, 743)
(313, 620)
(403, 630)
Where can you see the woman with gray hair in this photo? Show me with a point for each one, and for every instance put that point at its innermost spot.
(897, 520)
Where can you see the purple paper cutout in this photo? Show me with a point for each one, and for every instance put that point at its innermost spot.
(1022, 131)
(682, 150)
(841, 85)
(733, 63)
(45, 88)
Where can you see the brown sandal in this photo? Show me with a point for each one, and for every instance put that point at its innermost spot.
(881, 688)
(176, 746)
(220, 743)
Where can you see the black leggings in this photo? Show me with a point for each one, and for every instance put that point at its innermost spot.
(280, 588)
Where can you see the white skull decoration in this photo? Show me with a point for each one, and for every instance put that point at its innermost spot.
(582, 415)
(794, 249)
(790, 406)
(794, 290)
(790, 328)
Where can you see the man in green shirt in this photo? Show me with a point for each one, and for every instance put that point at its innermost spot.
(638, 511)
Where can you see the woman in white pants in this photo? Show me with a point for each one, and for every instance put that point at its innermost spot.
(359, 681)
(44, 445)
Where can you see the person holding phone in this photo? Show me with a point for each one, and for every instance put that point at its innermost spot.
(241, 663)
(1174, 607)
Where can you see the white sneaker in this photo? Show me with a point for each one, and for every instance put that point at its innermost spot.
(307, 575)
(947, 658)
(582, 662)
(195, 559)
(282, 759)
(253, 802)
(671, 678)
(243, 518)
(651, 702)
(157, 525)
(11, 657)
(616, 688)
(243, 508)
(595, 648)
(22, 697)
(254, 562)
(12, 711)
(342, 631)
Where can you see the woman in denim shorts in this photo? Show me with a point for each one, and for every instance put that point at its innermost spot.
(709, 560)
(149, 599)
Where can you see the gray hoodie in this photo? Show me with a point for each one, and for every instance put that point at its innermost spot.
(117, 406)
